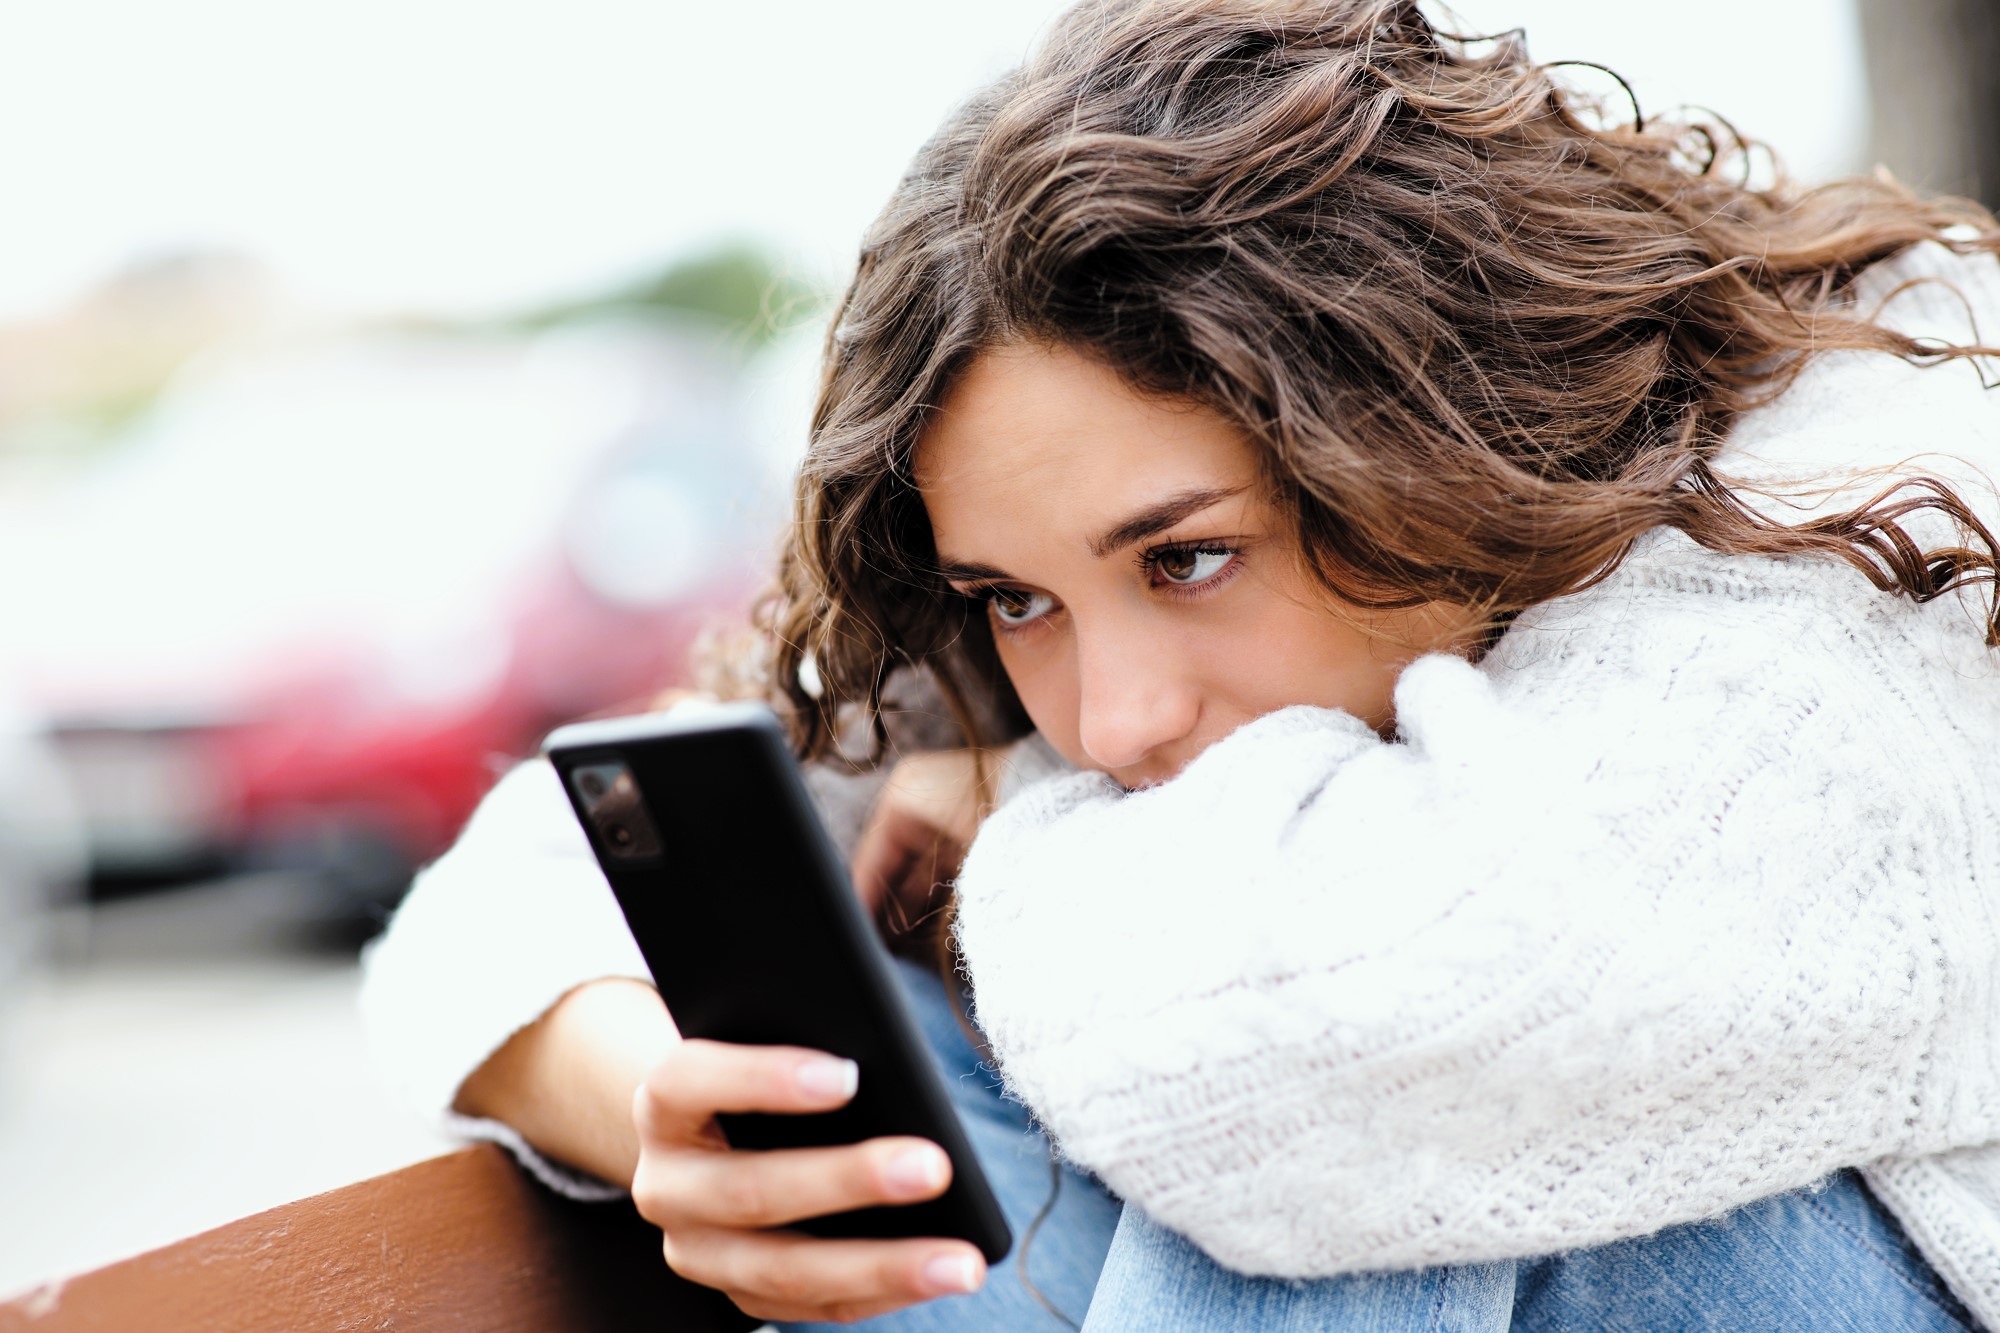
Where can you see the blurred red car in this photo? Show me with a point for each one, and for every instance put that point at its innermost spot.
(311, 612)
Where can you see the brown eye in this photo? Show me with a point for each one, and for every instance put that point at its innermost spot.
(1011, 606)
(1190, 564)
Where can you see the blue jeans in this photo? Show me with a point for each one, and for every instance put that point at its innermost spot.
(1823, 1260)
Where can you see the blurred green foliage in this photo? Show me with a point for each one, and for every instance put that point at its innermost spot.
(736, 286)
(81, 378)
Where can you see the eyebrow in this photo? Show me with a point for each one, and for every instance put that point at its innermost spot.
(1153, 519)
(1157, 518)
(971, 571)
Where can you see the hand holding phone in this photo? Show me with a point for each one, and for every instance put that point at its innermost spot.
(727, 1215)
(769, 966)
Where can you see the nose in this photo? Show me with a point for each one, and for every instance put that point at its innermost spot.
(1135, 699)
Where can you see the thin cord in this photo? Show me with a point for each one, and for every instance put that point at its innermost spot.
(1028, 1241)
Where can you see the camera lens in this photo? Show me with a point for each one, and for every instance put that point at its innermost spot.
(615, 810)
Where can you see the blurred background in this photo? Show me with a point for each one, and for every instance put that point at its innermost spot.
(383, 384)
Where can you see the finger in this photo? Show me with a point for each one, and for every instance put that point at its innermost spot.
(895, 843)
(914, 901)
(699, 1079)
(839, 1312)
(830, 1314)
(907, 865)
(780, 1187)
(938, 867)
(791, 1271)
(881, 857)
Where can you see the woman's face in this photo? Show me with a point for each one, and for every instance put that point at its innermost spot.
(1146, 596)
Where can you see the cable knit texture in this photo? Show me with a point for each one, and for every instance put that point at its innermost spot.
(1684, 896)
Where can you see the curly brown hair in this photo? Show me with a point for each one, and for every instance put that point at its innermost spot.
(1483, 339)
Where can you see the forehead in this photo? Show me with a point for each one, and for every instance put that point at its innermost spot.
(1050, 435)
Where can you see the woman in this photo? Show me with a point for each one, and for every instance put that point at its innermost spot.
(1506, 614)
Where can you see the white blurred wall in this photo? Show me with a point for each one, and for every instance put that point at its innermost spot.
(464, 156)
(459, 157)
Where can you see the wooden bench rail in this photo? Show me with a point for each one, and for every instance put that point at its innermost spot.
(464, 1241)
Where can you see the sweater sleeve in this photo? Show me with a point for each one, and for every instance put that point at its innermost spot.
(515, 916)
(512, 918)
(1654, 916)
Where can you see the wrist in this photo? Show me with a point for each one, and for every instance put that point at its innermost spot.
(565, 1081)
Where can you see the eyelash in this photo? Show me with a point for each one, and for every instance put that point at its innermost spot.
(1149, 564)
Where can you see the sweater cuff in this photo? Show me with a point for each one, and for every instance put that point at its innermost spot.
(564, 1180)
(513, 918)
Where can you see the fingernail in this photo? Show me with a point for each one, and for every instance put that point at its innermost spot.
(829, 1079)
(953, 1272)
(916, 1171)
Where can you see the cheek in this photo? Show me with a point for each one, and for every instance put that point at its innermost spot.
(1046, 683)
(1319, 658)
(1290, 645)
(1369, 656)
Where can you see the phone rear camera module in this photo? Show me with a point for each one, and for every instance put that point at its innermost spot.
(611, 803)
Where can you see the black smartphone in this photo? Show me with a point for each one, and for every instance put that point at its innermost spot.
(743, 910)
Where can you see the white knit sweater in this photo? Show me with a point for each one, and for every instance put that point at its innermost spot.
(1687, 894)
